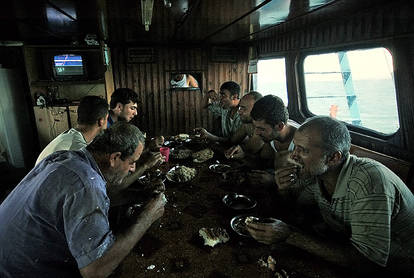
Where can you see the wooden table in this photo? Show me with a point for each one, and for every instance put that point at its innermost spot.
(173, 248)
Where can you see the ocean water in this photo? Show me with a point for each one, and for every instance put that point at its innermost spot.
(376, 101)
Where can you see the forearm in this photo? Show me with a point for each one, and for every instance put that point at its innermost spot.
(341, 254)
(124, 243)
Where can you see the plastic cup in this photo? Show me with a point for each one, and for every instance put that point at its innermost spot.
(165, 152)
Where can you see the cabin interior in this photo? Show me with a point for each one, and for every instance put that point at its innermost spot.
(141, 44)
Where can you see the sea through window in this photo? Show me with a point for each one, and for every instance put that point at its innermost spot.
(355, 86)
(271, 78)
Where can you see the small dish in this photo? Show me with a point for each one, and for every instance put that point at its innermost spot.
(238, 225)
(239, 202)
(219, 168)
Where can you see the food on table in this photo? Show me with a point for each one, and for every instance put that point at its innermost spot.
(251, 219)
(182, 137)
(181, 174)
(180, 153)
(213, 236)
(203, 155)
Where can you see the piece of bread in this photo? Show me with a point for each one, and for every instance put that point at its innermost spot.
(213, 236)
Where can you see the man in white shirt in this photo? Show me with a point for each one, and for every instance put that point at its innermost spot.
(92, 120)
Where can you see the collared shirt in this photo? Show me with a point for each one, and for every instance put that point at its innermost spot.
(110, 120)
(229, 124)
(70, 140)
(374, 207)
(56, 219)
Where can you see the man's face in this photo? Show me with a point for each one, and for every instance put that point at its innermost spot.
(265, 130)
(309, 154)
(128, 111)
(225, 99)
(120, 168)
(104, 123)
(245, 107)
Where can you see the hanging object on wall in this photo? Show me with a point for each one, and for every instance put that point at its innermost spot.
(146, 9)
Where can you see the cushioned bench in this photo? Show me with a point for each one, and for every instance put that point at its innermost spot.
(402, 168)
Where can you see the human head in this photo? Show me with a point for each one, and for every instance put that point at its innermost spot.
(321, 143)
(246, 105)
(93, 110)
(124, 103)
(212, 94)
(270, 116)
(229, 94)
(116, 150)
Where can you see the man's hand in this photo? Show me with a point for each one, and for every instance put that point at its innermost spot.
(204, 134)
(235, 152)
(156, 143)
(154, 209)
(268, 233)
(284, 177)
(151, 159)
(260, 177)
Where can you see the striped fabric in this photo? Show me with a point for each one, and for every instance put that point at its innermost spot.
(374, 207)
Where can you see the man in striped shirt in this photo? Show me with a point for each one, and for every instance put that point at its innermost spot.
(358, 198)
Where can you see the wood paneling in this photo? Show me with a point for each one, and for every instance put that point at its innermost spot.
(163, 111)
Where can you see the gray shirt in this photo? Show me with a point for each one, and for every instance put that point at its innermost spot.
(374, 207)
(229, 124)
(56, 220)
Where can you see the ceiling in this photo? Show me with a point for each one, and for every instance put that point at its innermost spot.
(172, 21)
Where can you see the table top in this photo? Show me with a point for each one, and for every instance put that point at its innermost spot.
(172, 246)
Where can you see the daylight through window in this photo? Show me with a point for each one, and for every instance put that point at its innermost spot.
(353, 86)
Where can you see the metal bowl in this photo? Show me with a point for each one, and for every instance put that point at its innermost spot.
(238, 202)
(238, 225)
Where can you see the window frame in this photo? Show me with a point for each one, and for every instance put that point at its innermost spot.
(303, 105)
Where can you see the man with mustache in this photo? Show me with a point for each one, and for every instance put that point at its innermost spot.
(55, 222)
(358, 198)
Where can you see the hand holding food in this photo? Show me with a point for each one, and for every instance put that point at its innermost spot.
(267, 232)
(235, 152)
(284, 177)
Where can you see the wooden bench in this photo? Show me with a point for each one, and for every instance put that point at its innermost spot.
(400, 167)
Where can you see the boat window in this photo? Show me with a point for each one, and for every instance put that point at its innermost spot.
(355, 86)
(271, 78)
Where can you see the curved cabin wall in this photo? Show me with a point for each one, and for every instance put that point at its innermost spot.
(390, 25)
(163, 111)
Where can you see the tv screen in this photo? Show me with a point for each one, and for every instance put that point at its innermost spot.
(68, 66)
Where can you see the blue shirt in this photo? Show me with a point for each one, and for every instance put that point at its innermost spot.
(56, 219)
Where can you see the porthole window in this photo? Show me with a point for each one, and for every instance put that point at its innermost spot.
(355, 86)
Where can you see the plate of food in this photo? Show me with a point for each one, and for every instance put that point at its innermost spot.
(219, 168)
(180, 153)
(238, 224)
(203, 155)
(181, 174)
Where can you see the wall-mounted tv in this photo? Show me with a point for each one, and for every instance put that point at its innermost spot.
(72, 64)
(68, 67)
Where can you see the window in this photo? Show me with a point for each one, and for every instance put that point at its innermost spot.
(356, 87)
(271, 78)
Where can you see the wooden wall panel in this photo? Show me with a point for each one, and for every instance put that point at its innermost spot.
(163, 111)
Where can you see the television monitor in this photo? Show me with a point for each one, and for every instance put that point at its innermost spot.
(68, 67)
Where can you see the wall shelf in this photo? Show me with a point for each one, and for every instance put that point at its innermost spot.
(69, 82)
